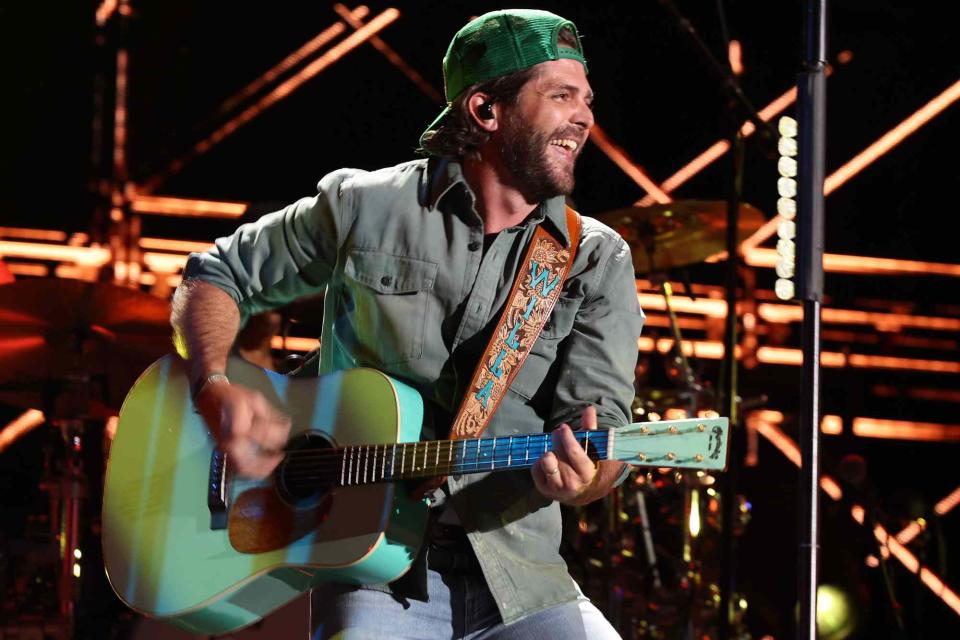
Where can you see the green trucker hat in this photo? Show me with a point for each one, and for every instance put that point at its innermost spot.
(500, 43)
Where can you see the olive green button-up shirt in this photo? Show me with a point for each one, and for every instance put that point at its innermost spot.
(412, 289)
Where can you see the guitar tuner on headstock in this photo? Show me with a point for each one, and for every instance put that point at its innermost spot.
(688, 443)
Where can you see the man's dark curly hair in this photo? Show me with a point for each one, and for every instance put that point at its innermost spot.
(459, 135)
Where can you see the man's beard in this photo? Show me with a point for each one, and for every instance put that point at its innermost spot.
(524, 153)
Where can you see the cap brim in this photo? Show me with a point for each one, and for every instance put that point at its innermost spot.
(436, 124)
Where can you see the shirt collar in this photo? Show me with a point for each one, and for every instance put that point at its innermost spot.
(444, 175)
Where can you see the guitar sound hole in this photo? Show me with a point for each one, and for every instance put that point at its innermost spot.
(307, 473)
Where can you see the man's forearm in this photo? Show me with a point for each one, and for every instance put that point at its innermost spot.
(206, 321)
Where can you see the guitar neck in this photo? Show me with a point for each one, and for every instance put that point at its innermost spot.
(407, 460)
(693, 443)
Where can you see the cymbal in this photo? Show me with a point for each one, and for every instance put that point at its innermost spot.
(61, 332)
(680, 233)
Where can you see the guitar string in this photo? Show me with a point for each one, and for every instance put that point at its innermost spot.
(601, 435)
(314, 477)
(373, 454)
(377, 467)
(359, 469)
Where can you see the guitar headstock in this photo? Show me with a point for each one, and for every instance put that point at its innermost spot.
(691, 443)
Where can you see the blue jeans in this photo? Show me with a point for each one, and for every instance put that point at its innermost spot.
(460, 608)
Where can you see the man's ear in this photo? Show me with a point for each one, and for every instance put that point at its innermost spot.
(484, 111)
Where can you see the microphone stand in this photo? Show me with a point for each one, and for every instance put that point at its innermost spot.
(738, 107)
(811, 103)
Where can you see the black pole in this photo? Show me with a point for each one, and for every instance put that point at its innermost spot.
(729, 406)
(811, 102)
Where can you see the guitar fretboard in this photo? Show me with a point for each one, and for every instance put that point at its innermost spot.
(387, 463)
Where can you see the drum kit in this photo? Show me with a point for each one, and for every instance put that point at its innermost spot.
(649, 553)
(73, 349)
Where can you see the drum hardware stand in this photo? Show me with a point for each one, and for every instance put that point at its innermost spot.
(679, 371)
(69, 489)
(738, 106)
(648, 539)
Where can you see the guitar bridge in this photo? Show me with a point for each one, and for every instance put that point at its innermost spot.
(216, 490)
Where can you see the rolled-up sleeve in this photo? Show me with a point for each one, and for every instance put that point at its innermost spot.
(600, 354)
(282, 256)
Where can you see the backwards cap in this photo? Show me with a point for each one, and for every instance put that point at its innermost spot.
(500, 43)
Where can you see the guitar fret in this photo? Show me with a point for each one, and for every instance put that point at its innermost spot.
(383, 463)
(509, 450)
(393, 462)
(343, 469)
(493, 456)
(463, 452)
(366, 454)
(356, 460)
(403, 457)
(526, 451)
(437, 463)
(350, 466)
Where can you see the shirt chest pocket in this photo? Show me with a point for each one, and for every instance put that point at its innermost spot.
(546, 349)
(388, 298)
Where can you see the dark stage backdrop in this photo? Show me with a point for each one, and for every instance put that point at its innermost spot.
(656, 97)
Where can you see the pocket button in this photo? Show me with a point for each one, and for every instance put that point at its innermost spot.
(386, 280)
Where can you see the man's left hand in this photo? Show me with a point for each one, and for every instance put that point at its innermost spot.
(567, 474)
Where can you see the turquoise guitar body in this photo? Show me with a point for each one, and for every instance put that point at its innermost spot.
(162, 557)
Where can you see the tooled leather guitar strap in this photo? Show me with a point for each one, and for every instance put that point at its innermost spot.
(535, 291)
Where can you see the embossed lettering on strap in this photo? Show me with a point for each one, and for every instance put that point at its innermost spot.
(535, 292)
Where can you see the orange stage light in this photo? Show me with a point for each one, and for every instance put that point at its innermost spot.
(720, 147)
(168, 206)
(887, 322)
(870, 154)
(293, 83)
(948, 503)
(414, 76)
(283, 90)
(87, 256)
(713, 349)
(735, 56)
(909, 532)
(905, 430)
(294, 343)
(862, 361)
(892, 138)
(120, 119)
(311, 46)
(33, 234)
(164, 262)
(683, 304)
(626, 164)
(765, 424)
(104, 11)
(840, 263)
(32, 270)
(831, 425)
(23, 424)
(182, 246)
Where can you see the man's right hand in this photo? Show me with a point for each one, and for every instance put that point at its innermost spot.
(246, 426)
